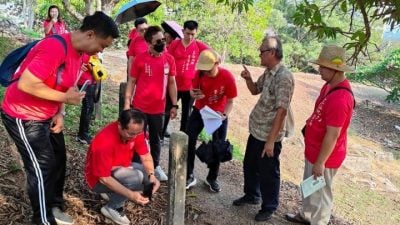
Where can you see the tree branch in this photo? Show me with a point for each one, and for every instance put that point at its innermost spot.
(67, 5)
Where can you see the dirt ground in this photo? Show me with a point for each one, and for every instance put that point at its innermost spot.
(373, 120)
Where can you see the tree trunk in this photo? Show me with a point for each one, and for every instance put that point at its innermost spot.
(89, 7)
(108, 5)
(72, 10)
(28, 13)
(98, 5)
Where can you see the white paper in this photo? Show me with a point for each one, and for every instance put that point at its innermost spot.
(211, 119)
(310, 185)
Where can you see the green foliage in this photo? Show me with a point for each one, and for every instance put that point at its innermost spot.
(6, 46)
(360, 19)
(33, 34)
(385, 75)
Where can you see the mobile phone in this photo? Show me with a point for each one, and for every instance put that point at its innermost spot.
(84, 86)
(148, 190)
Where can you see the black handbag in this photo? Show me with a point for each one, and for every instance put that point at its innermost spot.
(213, 151)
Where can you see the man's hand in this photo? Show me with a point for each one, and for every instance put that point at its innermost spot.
(153, 179)
(318, 170)
(73, 97)
(86, 67)
(197, 94)
(173, 112)
(268, 150)
(137, 197)
(245, 73)
(57, 123)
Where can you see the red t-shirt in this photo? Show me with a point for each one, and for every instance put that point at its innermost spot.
(137, 46)
(185, 59)
(88, 74)
(107, 151)
(58, 28)
(152, 75)
(133, 34)
(333, 110)
(43, 61)
(216, 89)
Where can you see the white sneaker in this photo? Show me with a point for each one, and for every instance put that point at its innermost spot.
(114, 215)
(61, 217)
(105, 196)
(160, 174)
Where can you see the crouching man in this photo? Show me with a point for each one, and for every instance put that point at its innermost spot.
(108, 164)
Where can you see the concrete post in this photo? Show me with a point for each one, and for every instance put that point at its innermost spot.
(178, 148)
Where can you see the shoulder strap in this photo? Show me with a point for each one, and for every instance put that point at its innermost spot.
(62, 66)
(343, 88)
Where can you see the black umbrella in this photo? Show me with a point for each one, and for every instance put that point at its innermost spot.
(134, 9)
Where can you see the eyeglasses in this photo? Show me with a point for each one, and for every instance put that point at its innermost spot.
(265, 50)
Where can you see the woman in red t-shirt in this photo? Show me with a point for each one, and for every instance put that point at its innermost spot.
(53, 23)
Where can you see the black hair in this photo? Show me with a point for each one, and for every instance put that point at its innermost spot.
(151, 30)
(191, 25)
(129, 115)
(48, 13)
(102, 25)
(139, 21)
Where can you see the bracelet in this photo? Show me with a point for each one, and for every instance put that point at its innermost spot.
(175, 106)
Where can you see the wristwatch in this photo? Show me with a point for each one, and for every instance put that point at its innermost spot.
(175, 106)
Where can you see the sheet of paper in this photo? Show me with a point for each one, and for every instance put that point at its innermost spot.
(211, 119)
(309, 185)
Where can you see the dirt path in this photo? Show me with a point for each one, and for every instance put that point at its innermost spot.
(202, 206)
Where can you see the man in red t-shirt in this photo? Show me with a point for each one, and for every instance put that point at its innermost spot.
(185, 52)
(33, 110)
(108, 166)
(215, 87)
(326, 134)
(137, 45)
(152, 78)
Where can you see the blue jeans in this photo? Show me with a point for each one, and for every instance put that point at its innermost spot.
(194, 127)
(131, 178)
(262, 175)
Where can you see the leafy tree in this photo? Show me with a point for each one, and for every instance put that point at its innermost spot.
(388, 78)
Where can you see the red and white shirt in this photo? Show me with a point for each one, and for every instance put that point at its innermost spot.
(152, 75)
(185, 59)
(334, 110)
(43, 61)
(107, 151)
(216, 89)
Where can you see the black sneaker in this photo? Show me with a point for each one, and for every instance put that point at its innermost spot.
(190, 182)
(213, 184)
(263, 215)
(246, 200)
(85, 141)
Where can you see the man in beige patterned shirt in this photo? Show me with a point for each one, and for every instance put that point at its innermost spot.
(267, 129)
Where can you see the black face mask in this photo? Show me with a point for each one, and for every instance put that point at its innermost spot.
(159, 47)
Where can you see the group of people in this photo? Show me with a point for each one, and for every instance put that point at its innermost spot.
(123, 159)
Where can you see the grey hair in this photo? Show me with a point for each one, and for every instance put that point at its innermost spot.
(275, 43)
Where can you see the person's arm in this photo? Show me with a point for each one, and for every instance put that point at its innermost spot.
(118, 188)
(277, 126)
(328, 144)
(48, 26)
(130, 87)
(129, 66)
(147, 162)
(172, 90)
(228, 108)
(58, 120)
(32, 85)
